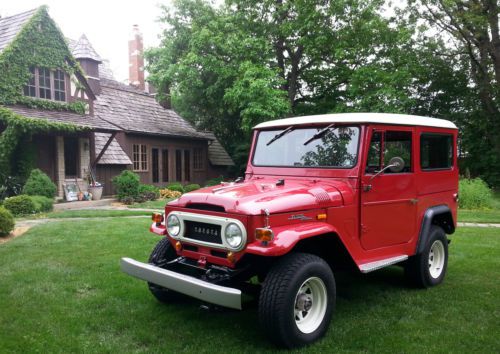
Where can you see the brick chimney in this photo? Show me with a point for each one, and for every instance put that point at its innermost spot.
(136, 59)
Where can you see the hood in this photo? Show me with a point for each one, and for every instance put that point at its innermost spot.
(252, 196)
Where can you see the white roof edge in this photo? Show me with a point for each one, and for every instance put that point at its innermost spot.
(377, 118)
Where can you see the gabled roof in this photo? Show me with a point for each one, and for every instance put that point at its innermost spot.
(10, 26)
(217, 155)
(114, 154)
(375, 118)
(137, 112)
(82, 49)
(65, 117)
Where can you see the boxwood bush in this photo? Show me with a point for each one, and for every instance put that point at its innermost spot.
(474, 194)
(214, 181)
(6, 222)
(176, 186)
(127, 185)
(38, 183)
(147, 192)
(20, 205)
(42, 204)
(191, 187)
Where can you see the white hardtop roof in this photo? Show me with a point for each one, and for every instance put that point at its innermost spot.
(376, 118)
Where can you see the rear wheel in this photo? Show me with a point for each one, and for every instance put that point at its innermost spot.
(429, 267)
(297, 300)
(160, 256)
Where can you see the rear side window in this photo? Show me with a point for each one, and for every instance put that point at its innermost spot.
(436, 151)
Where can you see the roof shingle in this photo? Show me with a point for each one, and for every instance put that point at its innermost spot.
(217, 155)
(114, 154)
(10, 27)
(82, 49)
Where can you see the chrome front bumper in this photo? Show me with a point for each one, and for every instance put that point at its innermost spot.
(184, 284)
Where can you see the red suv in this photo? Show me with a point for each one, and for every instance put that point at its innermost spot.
(320, 194)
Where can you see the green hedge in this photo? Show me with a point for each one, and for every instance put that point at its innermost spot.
(127, 185)
(20, 205)
(175, 186)
(191, 187)
(474, 194)
(42, 204)
(6, 222)
(39, 183)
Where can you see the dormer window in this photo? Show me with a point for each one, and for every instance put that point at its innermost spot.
(47, 84)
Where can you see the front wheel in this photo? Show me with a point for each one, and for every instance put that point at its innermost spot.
(429, 267)
(297, 300)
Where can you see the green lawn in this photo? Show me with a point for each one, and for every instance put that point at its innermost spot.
(88, 213)
(481, 216)
(61, 290)
(155, 204)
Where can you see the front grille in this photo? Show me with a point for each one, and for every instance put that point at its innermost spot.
(203, 232)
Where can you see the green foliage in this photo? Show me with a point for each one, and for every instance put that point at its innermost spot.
(214, 181)
(6, 221)
(42, 204)
(20, 205)
(39, 43)
(175, 186)
(191, 187)
(10, 186)
(39, 183)
(147, 193)
(127, 186)
(474, 194)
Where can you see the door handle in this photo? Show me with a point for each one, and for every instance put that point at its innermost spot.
(414, 201)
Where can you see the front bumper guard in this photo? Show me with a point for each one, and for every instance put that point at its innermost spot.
(184, 284)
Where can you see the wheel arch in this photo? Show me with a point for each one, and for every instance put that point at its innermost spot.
(439, 215)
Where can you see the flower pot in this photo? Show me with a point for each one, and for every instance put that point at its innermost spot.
(96, 192)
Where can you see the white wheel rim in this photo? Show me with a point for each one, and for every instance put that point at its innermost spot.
(436, 259)
(310, 305)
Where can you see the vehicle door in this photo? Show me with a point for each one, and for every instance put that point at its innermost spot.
(388, 197)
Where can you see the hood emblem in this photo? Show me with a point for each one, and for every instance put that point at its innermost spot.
(299, 217)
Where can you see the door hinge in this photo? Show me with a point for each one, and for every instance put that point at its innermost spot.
(414, 201)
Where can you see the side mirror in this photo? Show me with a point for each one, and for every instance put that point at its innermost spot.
(396, 164)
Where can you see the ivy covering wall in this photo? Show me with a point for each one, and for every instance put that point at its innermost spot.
(39, 43)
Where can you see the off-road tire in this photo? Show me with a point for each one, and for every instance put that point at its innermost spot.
(160, 256)
(279, 294)
(418, 269)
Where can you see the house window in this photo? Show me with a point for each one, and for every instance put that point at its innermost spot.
(198, 159)
(164, 165)
(30, 87)
(140, 157)
(47, 84)
(187, 165)
(178, 165)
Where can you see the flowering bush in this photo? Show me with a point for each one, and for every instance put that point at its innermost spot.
(169, 194)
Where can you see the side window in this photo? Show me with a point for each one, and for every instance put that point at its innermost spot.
(436, 151)
(374, 153)
(398, 143)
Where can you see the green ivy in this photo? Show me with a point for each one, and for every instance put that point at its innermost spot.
(16, 128)
(39, 43)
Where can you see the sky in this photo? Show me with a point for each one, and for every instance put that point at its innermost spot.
(106, 23)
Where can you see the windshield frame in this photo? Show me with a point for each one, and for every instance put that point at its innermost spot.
(354, 165)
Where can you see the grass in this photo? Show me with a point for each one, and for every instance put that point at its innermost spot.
(155, 204)
(61, 290)
(88, 213)
(482, 216)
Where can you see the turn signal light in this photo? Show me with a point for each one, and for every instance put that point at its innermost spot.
(178, 246)
(231, 257)
(264, 234)
(157, 218)
(321, 216)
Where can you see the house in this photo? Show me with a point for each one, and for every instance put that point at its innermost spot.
(116, 126)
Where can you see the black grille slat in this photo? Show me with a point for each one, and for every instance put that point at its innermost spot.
(201, 231)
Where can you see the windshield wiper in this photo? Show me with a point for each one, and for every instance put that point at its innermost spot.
(319, 134)
(279, 135)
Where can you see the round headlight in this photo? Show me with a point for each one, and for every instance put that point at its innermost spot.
(233, 235)
(173, 225)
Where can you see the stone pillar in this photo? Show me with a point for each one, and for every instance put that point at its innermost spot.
(84, 157)
(60, 175)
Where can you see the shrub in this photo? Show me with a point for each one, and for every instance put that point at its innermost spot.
(214, 181)
(20, 205)
(474, 194)
(39, 183)
(148, 192)
(42, 204)
(169, 194)
(127, 185)
(191, 187)
(176, 186)
(6, 222)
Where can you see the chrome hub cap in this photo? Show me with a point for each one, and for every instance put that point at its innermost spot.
(310, 305)
(436, 259)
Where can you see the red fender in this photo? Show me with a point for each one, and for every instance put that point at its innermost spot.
(287, 236)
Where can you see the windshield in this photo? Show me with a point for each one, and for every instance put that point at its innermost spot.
(337, 148)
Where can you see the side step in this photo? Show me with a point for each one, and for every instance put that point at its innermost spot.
(370, 267)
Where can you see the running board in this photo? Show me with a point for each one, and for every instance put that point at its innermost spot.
(370, 267)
